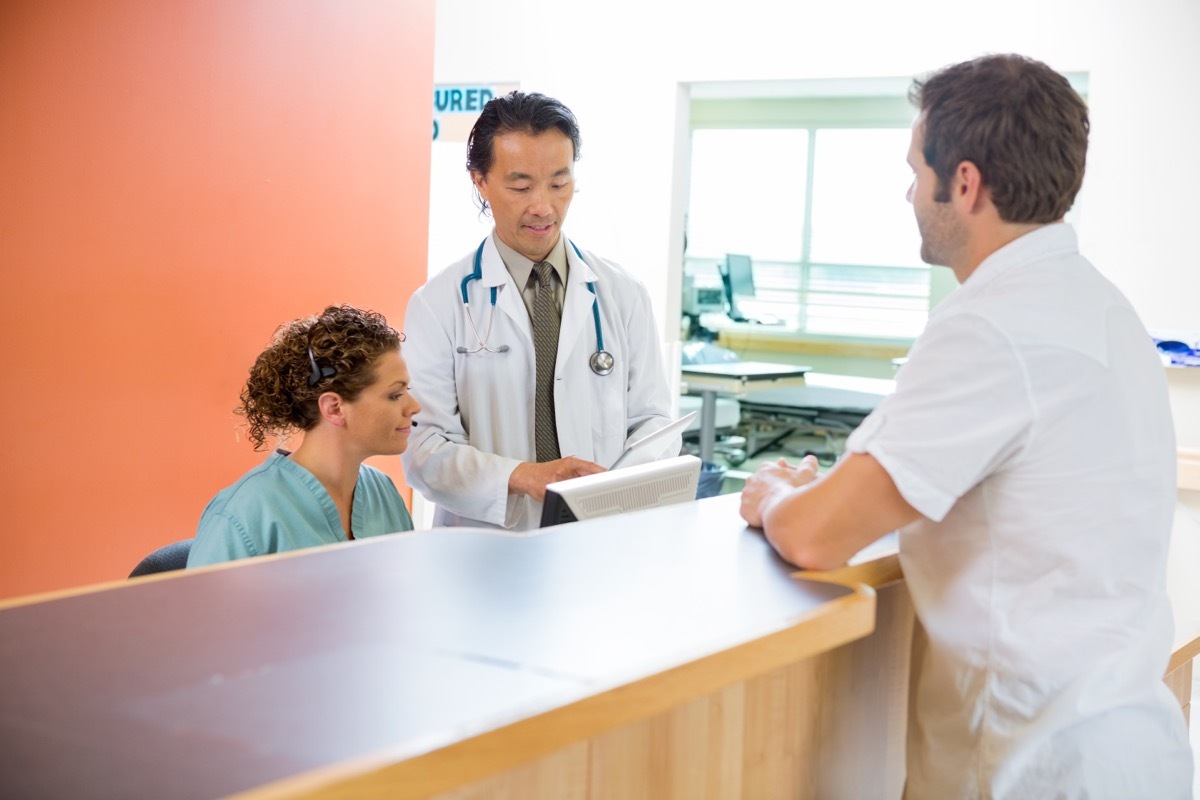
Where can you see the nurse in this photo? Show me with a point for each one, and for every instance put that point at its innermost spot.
(339, 379)
(537, 360)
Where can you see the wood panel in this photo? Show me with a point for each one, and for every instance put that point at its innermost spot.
(740, 340)
(563, 774)
(1179, 681)
(1189, 469)
(804, 730)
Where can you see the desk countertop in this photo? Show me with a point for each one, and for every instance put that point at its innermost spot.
(439, 653)
(746, 370)
(878, 565)
(384, 651)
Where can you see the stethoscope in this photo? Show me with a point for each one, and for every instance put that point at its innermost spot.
(601, 361)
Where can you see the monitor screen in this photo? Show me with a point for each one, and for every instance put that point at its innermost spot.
(737, 273)
(741, 275)
(659, 483)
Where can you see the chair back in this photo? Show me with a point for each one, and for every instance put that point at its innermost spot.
(165, 559)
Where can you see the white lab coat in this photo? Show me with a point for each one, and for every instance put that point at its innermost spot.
(476, 422)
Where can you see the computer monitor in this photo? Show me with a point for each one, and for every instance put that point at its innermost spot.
(659, 483)
(700, 299)
(737, 273)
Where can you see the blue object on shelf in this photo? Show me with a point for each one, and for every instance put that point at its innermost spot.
(1175, 353)
(706, 353)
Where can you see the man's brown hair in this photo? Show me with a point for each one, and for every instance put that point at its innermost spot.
(1018, 121)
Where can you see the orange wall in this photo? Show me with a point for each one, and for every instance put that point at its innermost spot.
(177, 178)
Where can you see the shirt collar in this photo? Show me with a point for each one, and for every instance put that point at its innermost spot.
(1055, 239)
(521, 267)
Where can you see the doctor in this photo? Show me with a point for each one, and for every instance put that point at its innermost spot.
(535, 359)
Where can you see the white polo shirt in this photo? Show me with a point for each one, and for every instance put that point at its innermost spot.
(1031, 428)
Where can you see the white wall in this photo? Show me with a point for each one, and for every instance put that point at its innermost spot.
(619, 65)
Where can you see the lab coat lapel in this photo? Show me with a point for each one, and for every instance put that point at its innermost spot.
(508, 296)
(577, 308)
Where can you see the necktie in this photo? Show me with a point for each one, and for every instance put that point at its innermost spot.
(545, 346)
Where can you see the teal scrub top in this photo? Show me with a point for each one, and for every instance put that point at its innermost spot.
(279, 506)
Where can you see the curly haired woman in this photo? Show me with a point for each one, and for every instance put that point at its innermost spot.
(340, 379)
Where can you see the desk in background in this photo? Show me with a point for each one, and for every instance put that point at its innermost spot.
(826, 405)
(733, 378)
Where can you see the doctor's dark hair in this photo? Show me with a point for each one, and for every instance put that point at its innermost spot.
(334, 351)
(1018, 121)
(516, 112)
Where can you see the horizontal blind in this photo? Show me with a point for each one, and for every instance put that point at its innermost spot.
(834, 299)
(821, 211)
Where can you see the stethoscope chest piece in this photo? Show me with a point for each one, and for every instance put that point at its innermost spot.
(602, 362)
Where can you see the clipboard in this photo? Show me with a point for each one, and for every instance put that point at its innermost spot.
(650, 439)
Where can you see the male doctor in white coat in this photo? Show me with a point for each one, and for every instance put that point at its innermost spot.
(502, 419)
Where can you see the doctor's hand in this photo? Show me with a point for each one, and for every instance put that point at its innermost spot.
(772, 481)
(531, 478)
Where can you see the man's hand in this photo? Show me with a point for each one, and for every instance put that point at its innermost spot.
(771, 481)
(531, 478)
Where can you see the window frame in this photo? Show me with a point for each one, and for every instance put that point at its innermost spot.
(830, 105)
(864, 102)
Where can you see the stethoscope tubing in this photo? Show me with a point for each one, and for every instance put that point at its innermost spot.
(600, 361)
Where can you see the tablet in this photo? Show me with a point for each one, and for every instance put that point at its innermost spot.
(657, 437)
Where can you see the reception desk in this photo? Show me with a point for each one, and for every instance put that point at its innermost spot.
(667, 654)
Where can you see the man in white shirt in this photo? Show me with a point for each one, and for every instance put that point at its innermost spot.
(1027, 458)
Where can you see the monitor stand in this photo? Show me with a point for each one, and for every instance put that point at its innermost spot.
(765, 320)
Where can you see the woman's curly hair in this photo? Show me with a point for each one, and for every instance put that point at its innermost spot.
(280, 395)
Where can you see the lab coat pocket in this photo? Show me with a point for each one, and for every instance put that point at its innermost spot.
(608, 420)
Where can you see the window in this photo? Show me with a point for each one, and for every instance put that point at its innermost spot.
(813, 189)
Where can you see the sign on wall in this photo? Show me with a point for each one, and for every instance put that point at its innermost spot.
(457, 106)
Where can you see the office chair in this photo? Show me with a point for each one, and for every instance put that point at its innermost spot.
(165, 559)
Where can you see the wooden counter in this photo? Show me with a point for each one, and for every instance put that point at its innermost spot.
(1185, 603)
(673, 655)
(427, 664)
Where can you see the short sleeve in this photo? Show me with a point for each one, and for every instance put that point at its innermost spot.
(961, 409)
(220, 538)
